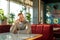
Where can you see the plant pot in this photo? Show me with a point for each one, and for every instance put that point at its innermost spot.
(4, 22)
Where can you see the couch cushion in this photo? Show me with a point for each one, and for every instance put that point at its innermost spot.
(33, 28)
(56, 25)
(4, 28)
(47, 32)
(39, 29)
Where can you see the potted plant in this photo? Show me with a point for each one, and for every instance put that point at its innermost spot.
(11, 17)
(28, 16)
(3, 18)
(24, 8)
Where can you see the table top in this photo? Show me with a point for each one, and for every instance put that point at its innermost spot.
(35, 37)
(10, 36)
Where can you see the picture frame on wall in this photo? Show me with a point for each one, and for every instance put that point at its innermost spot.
(56, 11)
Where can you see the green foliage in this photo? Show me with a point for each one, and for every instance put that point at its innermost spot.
(2, 17)
(1, 11)
(11, 17)
(23, 9)
(10, 21)
(28, 16)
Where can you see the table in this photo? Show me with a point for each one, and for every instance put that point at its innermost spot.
(35, 37)
(10, 36)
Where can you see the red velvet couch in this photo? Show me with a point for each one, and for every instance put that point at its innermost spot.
(45, 29)
(4, 28)
(56, 26)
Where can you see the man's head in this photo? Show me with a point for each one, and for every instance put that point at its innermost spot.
(21, 17)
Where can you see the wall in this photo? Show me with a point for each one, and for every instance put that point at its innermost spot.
(49, 15)
(38, 7)
(35, 12)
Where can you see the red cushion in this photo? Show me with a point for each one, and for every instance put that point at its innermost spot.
(4, 28)
(39, 29)
(56, 25)
(47, 32)
(45, 29)
(33, 28)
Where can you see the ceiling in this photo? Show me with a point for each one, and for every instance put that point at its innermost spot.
(31, 0)
(24, 2)
(51, 1)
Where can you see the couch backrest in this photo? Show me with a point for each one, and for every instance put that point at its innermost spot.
(33, 28)
(56, 25)
(45, 29)
(47, 32)
(4, 28)
(39, 29)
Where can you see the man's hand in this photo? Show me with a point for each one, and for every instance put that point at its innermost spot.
(15, 32)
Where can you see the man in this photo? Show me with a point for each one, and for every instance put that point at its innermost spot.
(21, 25)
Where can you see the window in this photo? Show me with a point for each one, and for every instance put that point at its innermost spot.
(31, 11)
(14, 9)
(4, 6)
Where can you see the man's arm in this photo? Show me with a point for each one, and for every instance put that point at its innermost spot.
(28, 28)
(13, 28)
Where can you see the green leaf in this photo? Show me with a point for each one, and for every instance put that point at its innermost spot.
(28, 16)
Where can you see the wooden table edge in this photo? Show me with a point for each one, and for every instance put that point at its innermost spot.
(35, 37)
